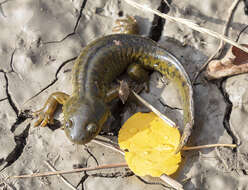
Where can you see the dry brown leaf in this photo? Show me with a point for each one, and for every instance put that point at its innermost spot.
(235, 62)
(124, 91)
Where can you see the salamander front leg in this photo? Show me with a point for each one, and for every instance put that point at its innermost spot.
(45, 114)
(122, 91)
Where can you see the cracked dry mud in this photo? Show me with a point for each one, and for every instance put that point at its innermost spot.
(39, 40)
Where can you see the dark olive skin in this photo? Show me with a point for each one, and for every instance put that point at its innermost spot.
(100, 63)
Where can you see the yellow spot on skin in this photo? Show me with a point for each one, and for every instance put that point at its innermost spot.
(151, 144)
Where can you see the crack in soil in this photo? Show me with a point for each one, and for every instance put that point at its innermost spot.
(20, 141)
(10, 99)
(227, 114)
(20, 119)
(75, 27)
(158, 22)
(152, 183)
(3, 99)
(125, 174)
(170, 107)
(54, 80)
(113, 174)
(91, 155)
(11, 62)
(80, 15)
(1, 8)
(82, 181)
(21, 116)
(12, 70)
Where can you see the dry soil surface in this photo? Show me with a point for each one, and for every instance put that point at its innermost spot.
(39, 40)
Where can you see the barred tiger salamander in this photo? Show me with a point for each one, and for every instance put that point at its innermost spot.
(99, 63)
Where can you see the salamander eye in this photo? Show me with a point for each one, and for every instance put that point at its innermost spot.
(92, 127)
(69, 124)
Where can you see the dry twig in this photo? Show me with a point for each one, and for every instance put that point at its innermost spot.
(108, 145)
(222, 159)
(173, 183)
(107, 166)
(208, 146)
(163, 177)
(62, 177)
(162, 116)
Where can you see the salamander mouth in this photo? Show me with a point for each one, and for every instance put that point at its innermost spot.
(76, 137)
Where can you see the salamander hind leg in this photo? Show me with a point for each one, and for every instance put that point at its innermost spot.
(45, 114)
(126, 26)
(138, 73)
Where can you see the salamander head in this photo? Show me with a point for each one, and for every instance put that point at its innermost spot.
(84, 118)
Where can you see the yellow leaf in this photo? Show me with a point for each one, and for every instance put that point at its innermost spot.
(150, 144)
